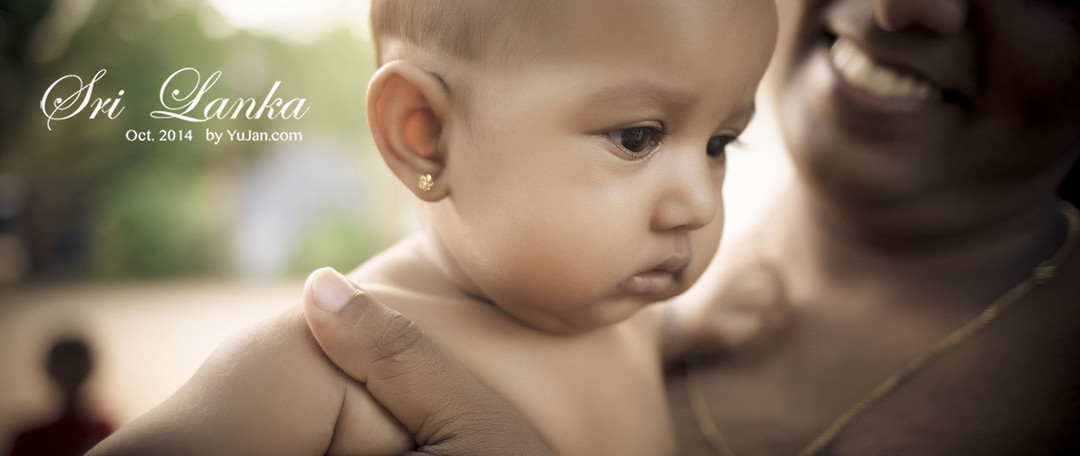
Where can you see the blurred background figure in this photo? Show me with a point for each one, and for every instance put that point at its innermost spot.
(14, 258)
(76, 429)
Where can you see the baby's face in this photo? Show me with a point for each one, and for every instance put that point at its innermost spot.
(587, 181)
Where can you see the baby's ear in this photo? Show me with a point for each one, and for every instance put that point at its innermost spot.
(406, 107)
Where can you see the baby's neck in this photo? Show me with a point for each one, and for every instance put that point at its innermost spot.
(453, 278)
(424, 265)
(564, 385)
(965, 269)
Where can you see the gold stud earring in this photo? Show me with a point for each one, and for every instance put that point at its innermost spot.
(426, 182)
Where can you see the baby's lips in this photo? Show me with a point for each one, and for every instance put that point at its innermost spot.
(649, 282)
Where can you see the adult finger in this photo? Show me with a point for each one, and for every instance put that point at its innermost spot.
(448, 411)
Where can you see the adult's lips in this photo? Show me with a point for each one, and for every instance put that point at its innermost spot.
(860, 71)
(880, 72)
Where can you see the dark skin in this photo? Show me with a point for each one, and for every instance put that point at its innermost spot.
(908, 219)
(444, 406)
(1015, 380)
(1003, 136)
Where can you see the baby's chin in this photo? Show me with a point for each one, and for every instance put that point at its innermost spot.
(598, 314)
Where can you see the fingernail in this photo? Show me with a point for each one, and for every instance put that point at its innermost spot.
(331, 289)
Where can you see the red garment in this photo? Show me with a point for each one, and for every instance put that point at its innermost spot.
(64, 437)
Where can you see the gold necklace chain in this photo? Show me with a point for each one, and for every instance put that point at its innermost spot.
(1041, 274)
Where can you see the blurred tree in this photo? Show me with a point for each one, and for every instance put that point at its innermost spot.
(100, 204)
(18, 20)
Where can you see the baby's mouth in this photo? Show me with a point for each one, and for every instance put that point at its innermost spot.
(658, 280)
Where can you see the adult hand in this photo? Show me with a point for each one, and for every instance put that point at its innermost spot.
(447, 410)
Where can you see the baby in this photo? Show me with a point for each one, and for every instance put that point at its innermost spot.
(569, 155)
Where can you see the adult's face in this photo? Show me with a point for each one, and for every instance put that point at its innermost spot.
(926, 117)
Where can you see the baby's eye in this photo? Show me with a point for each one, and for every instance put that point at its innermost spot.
(717, 144)
(637, 140)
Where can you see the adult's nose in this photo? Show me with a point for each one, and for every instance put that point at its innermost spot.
(939, 16)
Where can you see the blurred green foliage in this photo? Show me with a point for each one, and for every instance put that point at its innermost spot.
(335, 242)
(161, 227)
(98, 204)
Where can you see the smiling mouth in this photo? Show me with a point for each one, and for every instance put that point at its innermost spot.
(861, 72)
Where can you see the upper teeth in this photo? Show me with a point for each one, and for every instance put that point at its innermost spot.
(860, 71)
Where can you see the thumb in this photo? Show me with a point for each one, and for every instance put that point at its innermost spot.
(442, 404)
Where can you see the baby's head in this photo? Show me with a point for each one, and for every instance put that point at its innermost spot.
(575, 147)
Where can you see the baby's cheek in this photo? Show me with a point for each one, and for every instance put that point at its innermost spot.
(706, 241)
(571, 268)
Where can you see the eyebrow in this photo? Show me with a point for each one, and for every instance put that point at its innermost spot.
(646, 94)
(640, 94)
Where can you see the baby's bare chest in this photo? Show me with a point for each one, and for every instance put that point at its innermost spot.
(594, 398)
(590, 394)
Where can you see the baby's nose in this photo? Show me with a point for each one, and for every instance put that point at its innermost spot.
(690, 195)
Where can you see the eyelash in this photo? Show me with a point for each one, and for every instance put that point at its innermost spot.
(728, 139)
(656, 136)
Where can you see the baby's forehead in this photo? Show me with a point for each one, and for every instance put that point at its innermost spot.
(672, 56)
(562, 28)
(519, 30)
(509, 32)
(706, 48)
